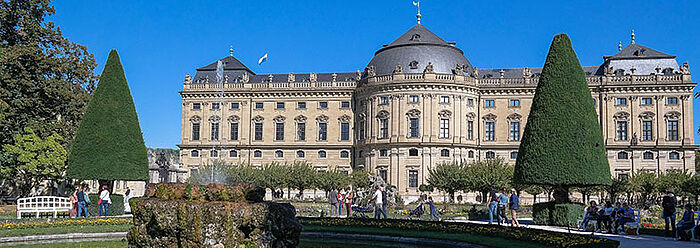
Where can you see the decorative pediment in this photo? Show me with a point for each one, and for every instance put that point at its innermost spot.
(514, 117)
(621, 116)
(214, 119)
(322, 118)
(490, 117)
(673, 115)
(234, 118)
(345, 118)
(471, 116)
(195, 119)
(383, 115)
(258, 119)
(413, 113)
(279, 119)
(444, 114)
(647, 116)
(300, 119)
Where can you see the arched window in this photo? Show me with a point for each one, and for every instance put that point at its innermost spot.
(490, 155)
(322, 154)
(233, 153)
(674, 156)
(413, 152)
(279, 154)
(195, 153)
(257, 154)
(344, 154)
(445, 153)
(648, 155)
(470, 154)
(622, 155)
(300, 154)
(514, 155)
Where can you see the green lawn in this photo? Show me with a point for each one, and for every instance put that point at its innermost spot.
(101, 244)
(65, 229)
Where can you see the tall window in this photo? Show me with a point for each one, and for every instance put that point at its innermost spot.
(413, 179)
(195, 131)
(514, 103)
(444, 128)
(621, 130)
(490, 155)
(490, 131)
(515, 131)
(413, 99)
(383, 153)
(384, 100)
(444, 99)
(361, 132)
(301, 131)
(383, 175)
(413, 127)
(673, 130)
(646, 130)
(322, 131)
(344, 131)
(470, 130)
(279, 131)
(470, 102)
(489, 103)
(234, 131)
(258, 131)
(514, 155)
(384, 128)
(215, 131)
(470, 154)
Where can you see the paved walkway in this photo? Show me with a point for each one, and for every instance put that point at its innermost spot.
(68, 237)
(626, 241)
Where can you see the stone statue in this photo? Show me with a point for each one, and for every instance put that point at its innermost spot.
(270, 77)
(163, 168)
(188, 79)
(608, 70)
(527, 72)
(685, 68)
(291, 77)
(226, 79)
(502, 72)
(313, 77)
(371, 72)
(634, 139)
(398, 69)
(476, 72)
(358, 74)
(246, 77)
(457, 70)
(335, 76)
(429, 68)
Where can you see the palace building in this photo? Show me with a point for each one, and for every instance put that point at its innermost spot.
(420, 102)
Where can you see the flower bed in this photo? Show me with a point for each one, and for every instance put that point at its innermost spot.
(547, 238)
(60, 223)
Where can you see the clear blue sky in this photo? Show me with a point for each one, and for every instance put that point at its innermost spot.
(161, 41)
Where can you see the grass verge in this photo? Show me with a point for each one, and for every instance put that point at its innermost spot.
(65, 229)
(89, 244)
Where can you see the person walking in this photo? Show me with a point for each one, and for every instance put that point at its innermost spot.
(669, 204)
(82, 202)
(491, 203)
(127, 197)
(341, 194)
(514, 206)
(104, 201)
(74, 203)
(433, 209)
(377, 198)
(333, 200)
(348, 202)
(502, 203)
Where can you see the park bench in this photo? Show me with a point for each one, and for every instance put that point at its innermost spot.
(697, 223)
(637, 221)
(590, 222)
(43, 204)
(8, 199)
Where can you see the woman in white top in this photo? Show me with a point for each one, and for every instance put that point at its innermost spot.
(104, 200)
(127, 196)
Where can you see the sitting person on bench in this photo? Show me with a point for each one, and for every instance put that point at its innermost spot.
(591, 214)
(605, 217)
(686, 224)
(626, 214)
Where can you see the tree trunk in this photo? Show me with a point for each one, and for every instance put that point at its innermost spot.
(561, 194)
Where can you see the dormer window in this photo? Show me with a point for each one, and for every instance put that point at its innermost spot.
(413, 65)
(415, 37)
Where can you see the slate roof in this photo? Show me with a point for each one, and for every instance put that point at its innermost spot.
(230, 63)
(636, 51)
(536, 71)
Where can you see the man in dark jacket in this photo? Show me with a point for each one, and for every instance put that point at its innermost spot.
(669, 213)
(333, 200)
(82, 202)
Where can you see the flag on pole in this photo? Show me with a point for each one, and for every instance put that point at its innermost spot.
(262, 59)
(219, 71)
(417, 4)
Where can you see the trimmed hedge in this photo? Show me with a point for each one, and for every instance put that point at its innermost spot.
(116, 208)
(109, 144)
(549, 213)
(562, 144)
(547, 238)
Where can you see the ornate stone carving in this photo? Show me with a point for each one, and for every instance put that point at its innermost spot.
(270, 77)
(245, 78)
(673, 115)
(685, 97)
(633, 69)
(471, 116)
(527, 72)
(476, 72)
(214, 119)
(322, 118)
(490, 117)
(621, 116)
(383, 115)
(234, 118)
(313, 77)
(279, 118)
(188, 79)
(444, 113)
(647, 116)
(370, 71)
(514, 117)
(634, 139)
(362, 116)
(685, 68)
(413, 113)
(429, 68)
(358, 74)
(258, 119)
(398, 69)
(345, 118)
(608, 70)
(457, 70)
(195, 119)
(291, 77)
(300, 119)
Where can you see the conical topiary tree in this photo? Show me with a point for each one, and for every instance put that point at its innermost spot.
(109, 143)
(562, 145)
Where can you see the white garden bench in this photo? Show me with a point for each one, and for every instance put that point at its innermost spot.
(43, 204)
(637, 220)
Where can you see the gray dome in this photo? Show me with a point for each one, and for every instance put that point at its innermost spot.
(414, 49)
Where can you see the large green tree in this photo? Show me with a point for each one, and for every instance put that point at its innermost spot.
(482, 175)
(562, 145)
(36, 159)
(46, 79)
(109, 143)
(448, 177)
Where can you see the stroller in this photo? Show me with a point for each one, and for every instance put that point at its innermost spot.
(417, 212)
(361, 212)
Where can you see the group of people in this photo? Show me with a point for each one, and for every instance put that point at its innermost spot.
(498, 202)
(608, 217)
(80, 201)
(339, 200)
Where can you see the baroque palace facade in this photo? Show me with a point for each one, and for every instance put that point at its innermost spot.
(420, 102)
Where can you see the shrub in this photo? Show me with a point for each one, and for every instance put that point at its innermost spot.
(116, 208)
(550, 213)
